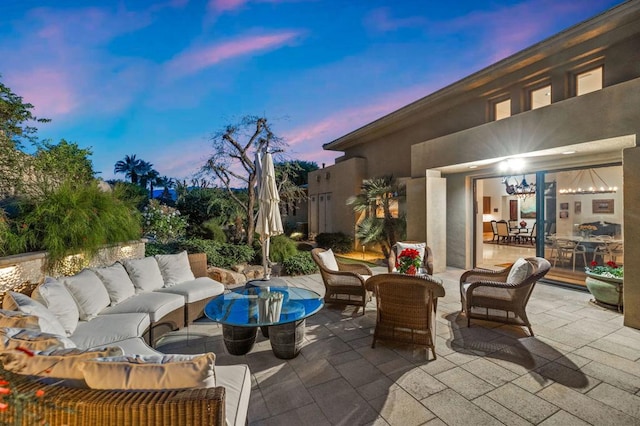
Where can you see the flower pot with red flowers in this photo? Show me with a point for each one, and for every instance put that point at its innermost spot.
(605, 283)
(409, 261)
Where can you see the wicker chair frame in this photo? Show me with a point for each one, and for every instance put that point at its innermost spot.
(490, 290)
(427, 262)
(345, 286)
(406, 309)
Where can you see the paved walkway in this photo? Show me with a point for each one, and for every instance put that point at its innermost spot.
(582, 367)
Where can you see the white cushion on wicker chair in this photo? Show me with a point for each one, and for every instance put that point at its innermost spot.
(195, 290)
(329, 260)
(145, 274)
(520, 270)
(416, 246)
(89, 293)
(175, 268)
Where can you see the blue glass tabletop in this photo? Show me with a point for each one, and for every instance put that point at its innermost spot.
(263, 306)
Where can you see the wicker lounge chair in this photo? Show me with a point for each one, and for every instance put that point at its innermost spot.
(427, 262)
(492, 290)
(346, 285)
(406, 308)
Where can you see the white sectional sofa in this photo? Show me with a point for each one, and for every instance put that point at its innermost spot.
(130, 305)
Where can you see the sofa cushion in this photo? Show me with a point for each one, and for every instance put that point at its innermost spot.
(135, 346)
(105, 330)
(116, 281)
(195, 290)
(55, 296)
(57, 363)
(175, 268)
(17, 319)
(32, 340)
(89, 293)
(236, 379)
(329, 260)
(47, 321)
(145, 274)
(151, 372)
(156, 304)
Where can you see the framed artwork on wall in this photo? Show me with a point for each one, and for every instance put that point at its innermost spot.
(528, 208)
(602, 206)
(564, 206)
(564, 214)
(577, 207)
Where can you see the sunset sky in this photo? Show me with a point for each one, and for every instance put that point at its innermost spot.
(157, 78)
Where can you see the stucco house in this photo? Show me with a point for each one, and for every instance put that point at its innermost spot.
(564, 108)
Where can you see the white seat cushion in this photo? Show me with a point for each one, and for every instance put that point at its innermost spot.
(47, 321)
(175, 268)
(135, 346)
(236, 379)
(329, 260)
(145, 274)
(195, 290)
(116, 281)
(156, 304)
(55, 296)
(104, 330)
(89, 293)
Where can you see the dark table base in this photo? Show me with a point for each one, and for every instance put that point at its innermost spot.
(286, 339)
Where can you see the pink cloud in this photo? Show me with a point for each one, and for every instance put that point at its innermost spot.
(225, 5)
(197, 59)
(47, 89)
(381, 20)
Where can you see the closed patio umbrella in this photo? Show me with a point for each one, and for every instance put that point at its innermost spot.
(269, 222)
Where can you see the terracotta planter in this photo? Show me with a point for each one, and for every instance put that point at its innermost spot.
(605, 290)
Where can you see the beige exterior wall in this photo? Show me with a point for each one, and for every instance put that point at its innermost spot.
(631, 172)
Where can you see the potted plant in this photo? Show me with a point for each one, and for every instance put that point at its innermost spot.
(605, 283)
(409, 261)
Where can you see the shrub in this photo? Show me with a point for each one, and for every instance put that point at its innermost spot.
(222, 255)
(281, 248)
(211, 230)
(299, 264)
(162, 223)
(77, 220)
(339, 242)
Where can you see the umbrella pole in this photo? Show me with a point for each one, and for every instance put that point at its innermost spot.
(265, 259)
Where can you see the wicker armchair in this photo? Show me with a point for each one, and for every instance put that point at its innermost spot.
(406, 308)
(481, 288)
(346, 285)
(427, 262)
(77, 407)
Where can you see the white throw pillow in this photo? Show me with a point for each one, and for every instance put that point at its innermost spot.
(150, 372)
(47, 321)
(89, 293)
(329, 260)
(175, 268)
(145, 274)
(116, 281)
(32, 340)
(519, 271)
(55, 296)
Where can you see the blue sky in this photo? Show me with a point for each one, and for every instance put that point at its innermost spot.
(157, 78)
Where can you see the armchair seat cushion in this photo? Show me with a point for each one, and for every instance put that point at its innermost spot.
(236, 379)
(490, 292)
(156, 304)
(107, 329)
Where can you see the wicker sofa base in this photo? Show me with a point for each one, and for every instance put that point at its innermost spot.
(76, 407)
(174, 320)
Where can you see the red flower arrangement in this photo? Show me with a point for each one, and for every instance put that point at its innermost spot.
(409, 261)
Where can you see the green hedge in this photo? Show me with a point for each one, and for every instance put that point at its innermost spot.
(299, 264)
(222, 255)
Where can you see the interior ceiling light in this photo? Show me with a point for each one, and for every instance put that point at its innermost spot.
(588, 181)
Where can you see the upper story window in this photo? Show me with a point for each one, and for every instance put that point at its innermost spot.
(502, 109)
(589, 81)
(540, 97)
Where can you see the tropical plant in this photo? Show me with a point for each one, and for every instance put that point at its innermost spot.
(379, 226)
(131, 194)
(76, 220)
(338, 242)
(281, 248)
(162, 223)
(130, 166)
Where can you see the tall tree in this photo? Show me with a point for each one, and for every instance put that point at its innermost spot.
(130, 166)
(375, 199)
(148, 176)
(233, 161)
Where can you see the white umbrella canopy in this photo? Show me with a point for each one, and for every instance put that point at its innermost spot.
(269, 222)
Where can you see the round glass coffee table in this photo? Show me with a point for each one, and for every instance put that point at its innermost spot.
(280, 311)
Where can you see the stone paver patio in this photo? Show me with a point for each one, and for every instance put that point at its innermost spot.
(582, 367)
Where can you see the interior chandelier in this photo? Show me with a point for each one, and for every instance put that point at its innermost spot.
(521, 189)
(588, 181)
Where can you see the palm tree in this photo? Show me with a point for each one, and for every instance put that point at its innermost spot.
(376, 196)
(167, 183)
(130, 166)
(148, 175)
